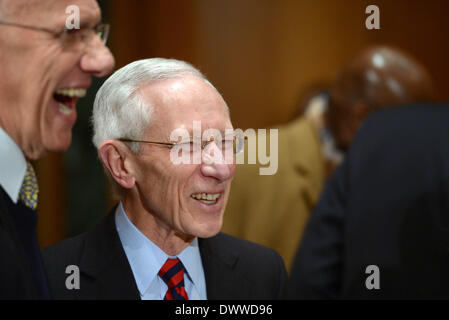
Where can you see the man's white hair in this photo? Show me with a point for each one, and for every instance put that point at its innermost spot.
(119, 111)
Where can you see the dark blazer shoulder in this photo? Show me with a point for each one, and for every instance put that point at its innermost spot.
(64, 253)
(249, 251)
(16, 278)
(57, 258)
(104, 269)
(248, 270)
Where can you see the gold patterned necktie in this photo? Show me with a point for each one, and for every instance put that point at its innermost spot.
(29, 190)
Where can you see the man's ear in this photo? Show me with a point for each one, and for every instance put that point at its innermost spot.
(113, 155)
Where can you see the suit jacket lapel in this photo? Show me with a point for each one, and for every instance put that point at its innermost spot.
(105, 265)
(219, 263)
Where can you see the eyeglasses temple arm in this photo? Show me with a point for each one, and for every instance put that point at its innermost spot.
(152, 142)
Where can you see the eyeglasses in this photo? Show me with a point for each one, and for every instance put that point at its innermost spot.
(71, 38)
(234, 145)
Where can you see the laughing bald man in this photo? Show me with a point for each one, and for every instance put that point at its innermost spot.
(45, 69)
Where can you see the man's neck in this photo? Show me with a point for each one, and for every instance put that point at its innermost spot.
(168, 240)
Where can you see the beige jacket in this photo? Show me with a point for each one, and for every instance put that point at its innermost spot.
(273, 210)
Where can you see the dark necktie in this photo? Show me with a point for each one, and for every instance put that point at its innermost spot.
(172, 272)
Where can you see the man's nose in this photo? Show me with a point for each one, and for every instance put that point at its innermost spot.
(220, 172)
(97, 58)
(213, 164)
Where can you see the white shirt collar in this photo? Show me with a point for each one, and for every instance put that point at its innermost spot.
(146, 259)
(12, 166)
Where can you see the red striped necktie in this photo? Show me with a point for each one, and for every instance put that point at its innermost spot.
(172, 272)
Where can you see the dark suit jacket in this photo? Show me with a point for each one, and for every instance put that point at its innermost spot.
(388, 205)
(16, 278)
(234, 268)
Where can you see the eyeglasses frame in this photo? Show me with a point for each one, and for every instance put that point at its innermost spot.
(62, 34)
(172, 144)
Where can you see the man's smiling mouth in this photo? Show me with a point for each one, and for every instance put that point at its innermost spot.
(67, 97)
(206, 198)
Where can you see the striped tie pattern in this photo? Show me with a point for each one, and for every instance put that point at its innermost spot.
(172, 272)
(29, 190)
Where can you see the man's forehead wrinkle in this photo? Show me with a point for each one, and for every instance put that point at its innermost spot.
(14, 9)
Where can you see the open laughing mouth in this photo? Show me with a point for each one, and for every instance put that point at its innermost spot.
(67, 98)
(207, 198)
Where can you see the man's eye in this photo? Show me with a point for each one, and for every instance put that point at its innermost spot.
(69, 31)
(72, 32)
(76, 34)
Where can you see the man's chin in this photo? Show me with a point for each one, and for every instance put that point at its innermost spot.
(59, 144)
(63, 146)
(209, 230)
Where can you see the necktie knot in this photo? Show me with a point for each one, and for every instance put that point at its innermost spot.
(29, 190)
(172, 273)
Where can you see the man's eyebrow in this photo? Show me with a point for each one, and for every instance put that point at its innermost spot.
(223, 133)
(84, 24)
(89, 19)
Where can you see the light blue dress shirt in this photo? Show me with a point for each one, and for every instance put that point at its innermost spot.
(12, 166)
(146, 259)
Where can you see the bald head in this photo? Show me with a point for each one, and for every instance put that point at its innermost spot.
(381, 76)
(377, 77)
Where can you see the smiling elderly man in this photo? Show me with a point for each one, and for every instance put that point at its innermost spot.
(162, 241)
(45, 69)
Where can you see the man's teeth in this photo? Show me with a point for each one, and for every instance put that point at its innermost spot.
(71, 92)
(207, 198)
(64, 109)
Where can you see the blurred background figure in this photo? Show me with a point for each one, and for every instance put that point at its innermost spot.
(378, 77)
(381, 227)
(273, 210)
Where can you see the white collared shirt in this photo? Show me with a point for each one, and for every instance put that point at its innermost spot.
(12, 166)
(146, 259)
